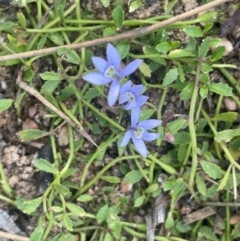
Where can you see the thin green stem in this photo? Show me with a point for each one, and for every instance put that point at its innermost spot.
(64, 29)
(101, 172)
(222, 144)
(193, 131)
(8, 200)
(159, 112)
(169, 169)
(231, 79)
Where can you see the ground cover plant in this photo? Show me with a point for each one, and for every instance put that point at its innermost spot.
(135, 119)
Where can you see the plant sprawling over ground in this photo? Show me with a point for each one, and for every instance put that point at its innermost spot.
(144, 128)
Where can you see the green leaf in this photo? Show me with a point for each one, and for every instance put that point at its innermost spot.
(229, 116)
(5, 104)
(145, 69)
(139, 201)
(7, 26)
(193, 31)
(61, 189)
(67, 92)
(181, 53)
(171, 76)
(32, 205)
(56, 38)
(118, 16)
(201, 185)
(218, 53)
(111, 179)
(225, 179)
(50, 86)
(91, 93)
(105, 3)
(109, 31)
(204, 47)
(123, 48)
(59, 9)
(208, 233)
(211, 16)
(178, 188)
(30, 134)
(183, 228)
(21, 19)
(211, 169)
(203, 92)
(85, 198)
(67, 223)
(121, 149)
(134, 5)
(152, 188)
(66, 236)
(70, 55)
(37, 234)
(45, 166)
(102, 214)
(226, 135)
(221, 89)
(133, 176)
(76, 210)
(42, 41)
(163, 47)
(149, 50)
(182, 138)
(169, 222)
(176, 125)
(186, 93)
(56, 209)
(51, 76)
(29, 74)
(206, 68)
(108, 237)
(146, 114)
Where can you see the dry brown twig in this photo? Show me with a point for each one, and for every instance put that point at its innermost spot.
(45, 102)
(127, 35)
(13, 236)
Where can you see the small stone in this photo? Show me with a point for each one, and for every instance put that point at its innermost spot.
(63, 137)
(29, 124)
(13, 180)
(230, 103)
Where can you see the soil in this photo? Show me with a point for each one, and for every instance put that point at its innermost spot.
(18, 158)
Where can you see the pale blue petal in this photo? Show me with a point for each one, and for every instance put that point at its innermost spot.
(126, 87)
(130, 105)
(130, 68)
(137, 90)
(149, 136)
(135, 113)
(96, 78)
(113, 57)
(141, 100)
(126, 138)
(149, 124)
(100, 63)
(140, 146)
(123, 99)
(113, 92)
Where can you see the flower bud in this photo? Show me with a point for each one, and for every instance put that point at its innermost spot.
(169, 137)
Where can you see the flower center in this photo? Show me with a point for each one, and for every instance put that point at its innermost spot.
(111, 72)
(130, 96)
(138, 132)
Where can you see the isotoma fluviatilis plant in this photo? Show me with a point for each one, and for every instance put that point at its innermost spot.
(129, 95)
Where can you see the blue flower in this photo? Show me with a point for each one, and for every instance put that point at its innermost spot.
(131, 97)
(139, 133)
(110, 71)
